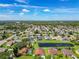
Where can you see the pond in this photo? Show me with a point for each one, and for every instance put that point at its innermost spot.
(55, 45)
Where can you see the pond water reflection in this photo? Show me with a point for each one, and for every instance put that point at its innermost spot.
(55, 45)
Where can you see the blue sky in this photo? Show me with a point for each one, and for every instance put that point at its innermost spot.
(39, 10)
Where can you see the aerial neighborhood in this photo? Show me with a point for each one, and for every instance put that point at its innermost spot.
(24, 40)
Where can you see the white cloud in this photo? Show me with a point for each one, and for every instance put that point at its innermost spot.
(20, 5)
(65, 10)
(46, 10)
(5, 5)
(8, 17)
(22, 1)
(25, 10)
(11, 11)
(21, 13)
(31, 6)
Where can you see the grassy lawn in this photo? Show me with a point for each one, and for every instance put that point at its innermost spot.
(31, 57)
(53, 41)
(25, 57)
(76, 47)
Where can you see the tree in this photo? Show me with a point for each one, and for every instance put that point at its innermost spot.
(4, 55)
(36, 32)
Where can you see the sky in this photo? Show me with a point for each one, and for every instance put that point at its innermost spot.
(39, 10)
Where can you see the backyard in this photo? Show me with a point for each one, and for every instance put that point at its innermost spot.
(60, 54)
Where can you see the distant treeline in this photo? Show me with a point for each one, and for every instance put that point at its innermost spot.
(43, 22)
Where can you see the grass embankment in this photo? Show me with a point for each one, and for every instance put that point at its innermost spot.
(25, 57)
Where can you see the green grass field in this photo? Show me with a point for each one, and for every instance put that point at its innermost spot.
(25, 57)
(54, 41)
